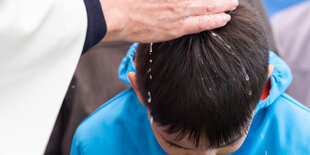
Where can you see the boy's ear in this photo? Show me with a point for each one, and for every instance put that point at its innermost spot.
(132, 79)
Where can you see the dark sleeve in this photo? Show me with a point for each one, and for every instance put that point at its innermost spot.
(96, 26)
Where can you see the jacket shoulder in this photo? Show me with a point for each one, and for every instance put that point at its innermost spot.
(106, 115)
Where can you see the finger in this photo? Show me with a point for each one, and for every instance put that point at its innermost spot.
(197, 24)
(202, 7)
(224, 5)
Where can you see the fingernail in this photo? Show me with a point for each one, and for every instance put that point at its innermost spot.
(235, 3)
(226, 18)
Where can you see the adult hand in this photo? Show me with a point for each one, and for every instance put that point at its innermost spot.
(161, 20)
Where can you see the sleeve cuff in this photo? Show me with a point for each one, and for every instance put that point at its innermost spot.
(96, 28)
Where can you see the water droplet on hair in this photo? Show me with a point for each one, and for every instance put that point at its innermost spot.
(151, 47)
(250, 92)
(151, 60)
(247, 77)
(210, 89)
(149, 71)
(149, 100)
(73, 86)
(246, 74)
(151, 77)
(151, 119)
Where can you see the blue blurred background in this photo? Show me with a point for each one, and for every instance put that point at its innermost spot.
(273, 6)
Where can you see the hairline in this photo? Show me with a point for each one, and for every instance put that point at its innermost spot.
(232, 142)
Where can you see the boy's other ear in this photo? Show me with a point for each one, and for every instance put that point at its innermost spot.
(132, 78)
(270, 70)
(267, 87)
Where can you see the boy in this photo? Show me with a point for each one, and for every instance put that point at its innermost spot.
(207, 93)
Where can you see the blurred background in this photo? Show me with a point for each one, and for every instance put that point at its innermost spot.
(287, 23)
(290, 22)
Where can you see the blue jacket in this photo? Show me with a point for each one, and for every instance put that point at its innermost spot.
(281, 125)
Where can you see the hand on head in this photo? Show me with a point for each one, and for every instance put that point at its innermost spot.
(161, 20)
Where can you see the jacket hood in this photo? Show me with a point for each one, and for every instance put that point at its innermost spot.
(127, 64)
(280, 78)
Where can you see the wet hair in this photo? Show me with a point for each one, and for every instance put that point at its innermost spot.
(208, 84)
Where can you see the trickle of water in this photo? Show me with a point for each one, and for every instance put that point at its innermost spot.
(244, 71)
(149, 100)
(216, 35)
(246, 76)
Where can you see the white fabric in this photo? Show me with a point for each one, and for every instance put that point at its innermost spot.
(40, 44)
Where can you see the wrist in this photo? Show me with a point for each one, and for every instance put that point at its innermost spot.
(115, 21)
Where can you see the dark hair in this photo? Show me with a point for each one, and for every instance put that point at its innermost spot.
(206, 85)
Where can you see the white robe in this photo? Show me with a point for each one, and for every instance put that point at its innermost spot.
(40, 44)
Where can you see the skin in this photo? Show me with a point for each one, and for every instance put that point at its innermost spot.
(161, 20)
(163, 137)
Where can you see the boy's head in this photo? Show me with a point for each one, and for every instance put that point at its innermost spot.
(201, 90)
